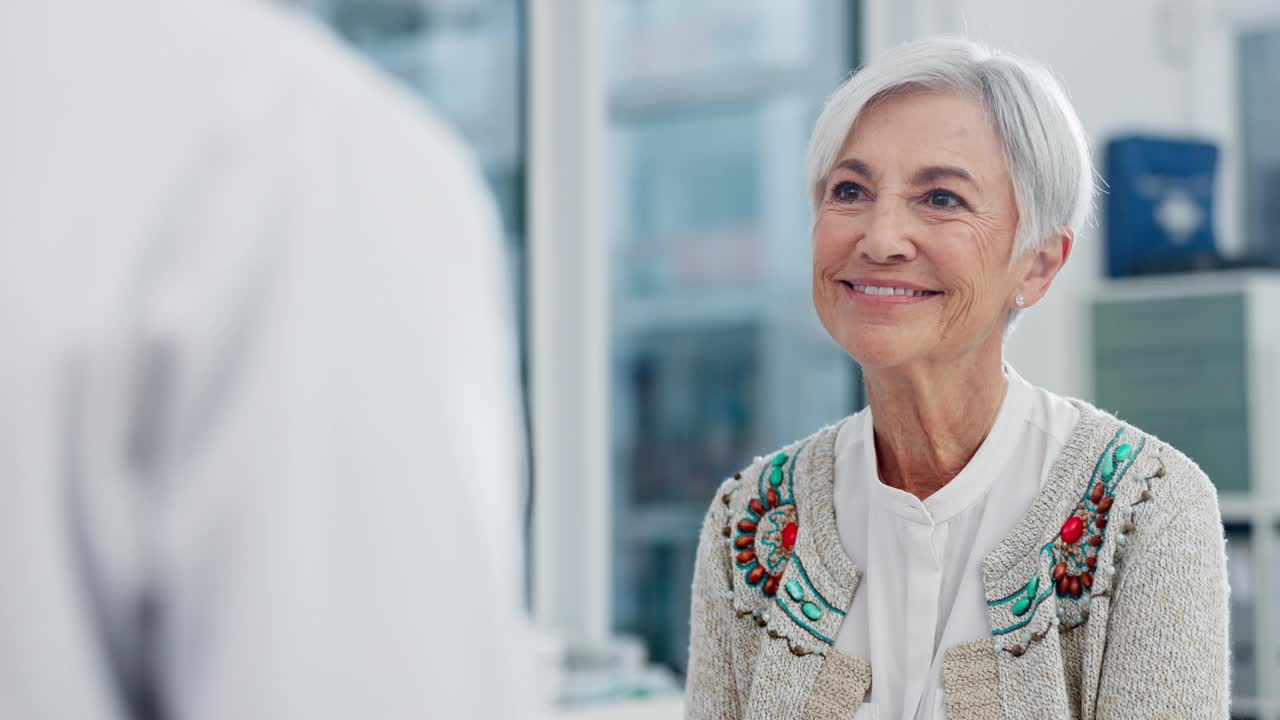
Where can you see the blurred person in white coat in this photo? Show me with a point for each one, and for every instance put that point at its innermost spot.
(259, 425)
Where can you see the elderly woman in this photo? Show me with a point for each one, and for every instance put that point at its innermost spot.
(970, 545)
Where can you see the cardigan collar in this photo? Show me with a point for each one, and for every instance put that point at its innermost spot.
(801, 591)
(1022, 650)
(836, 576)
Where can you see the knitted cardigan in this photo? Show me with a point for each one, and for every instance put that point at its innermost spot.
(1107, 600)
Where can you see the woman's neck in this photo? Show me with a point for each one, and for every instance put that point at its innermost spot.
(929, 421)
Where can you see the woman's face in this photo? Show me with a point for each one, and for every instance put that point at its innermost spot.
(919, 202)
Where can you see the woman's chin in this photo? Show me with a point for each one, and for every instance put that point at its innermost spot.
(881, 347)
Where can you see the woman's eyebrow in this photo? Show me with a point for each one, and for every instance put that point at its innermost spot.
(857, 167)
(934, 173)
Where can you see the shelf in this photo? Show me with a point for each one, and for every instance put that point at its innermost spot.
(1208, 282)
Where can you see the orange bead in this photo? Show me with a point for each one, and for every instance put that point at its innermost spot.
(1098, 491)
(771, 586)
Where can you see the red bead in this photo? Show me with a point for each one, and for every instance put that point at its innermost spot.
(746, 526)
(789, 534)
(771, 496)
(1092, 562)
(1072, 529)
(756, 575)
(771, 586)
(744, 541)
(756, 506)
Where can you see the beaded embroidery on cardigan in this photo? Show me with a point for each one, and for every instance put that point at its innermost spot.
(763, 546)
(1073, 554)
(767, 535)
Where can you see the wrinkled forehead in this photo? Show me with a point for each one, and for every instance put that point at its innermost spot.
(898, 133)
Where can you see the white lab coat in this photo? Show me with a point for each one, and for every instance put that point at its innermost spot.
(259, 435)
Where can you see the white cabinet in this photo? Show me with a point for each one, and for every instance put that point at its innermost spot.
(1195, 360)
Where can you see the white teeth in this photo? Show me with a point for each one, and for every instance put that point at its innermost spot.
(877, 290)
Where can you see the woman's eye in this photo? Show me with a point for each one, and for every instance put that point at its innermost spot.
(847, 192)
(944, 200)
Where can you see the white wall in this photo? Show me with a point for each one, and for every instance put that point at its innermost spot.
(1151, 65)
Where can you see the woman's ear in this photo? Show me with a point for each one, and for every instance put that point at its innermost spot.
(1045, 262)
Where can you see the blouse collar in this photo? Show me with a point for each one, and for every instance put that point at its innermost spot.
(973, 482)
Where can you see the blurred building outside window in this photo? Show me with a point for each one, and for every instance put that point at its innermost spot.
(716, 354)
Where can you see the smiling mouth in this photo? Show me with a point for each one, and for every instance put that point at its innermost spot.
(885, 291)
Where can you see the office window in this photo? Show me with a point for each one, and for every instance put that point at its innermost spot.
(717, 353)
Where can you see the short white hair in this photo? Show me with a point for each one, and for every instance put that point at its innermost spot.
(1045, 146)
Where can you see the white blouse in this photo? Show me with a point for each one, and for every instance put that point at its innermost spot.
(922, 590)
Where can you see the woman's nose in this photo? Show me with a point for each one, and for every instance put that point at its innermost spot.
(888, 236)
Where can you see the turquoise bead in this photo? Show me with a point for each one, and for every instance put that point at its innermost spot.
(1108, 467)
(1033, 586)
(1022, 606)
(795, 591)
(1122, 452)
(775, 477)
(779, 459)
(811, 611)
